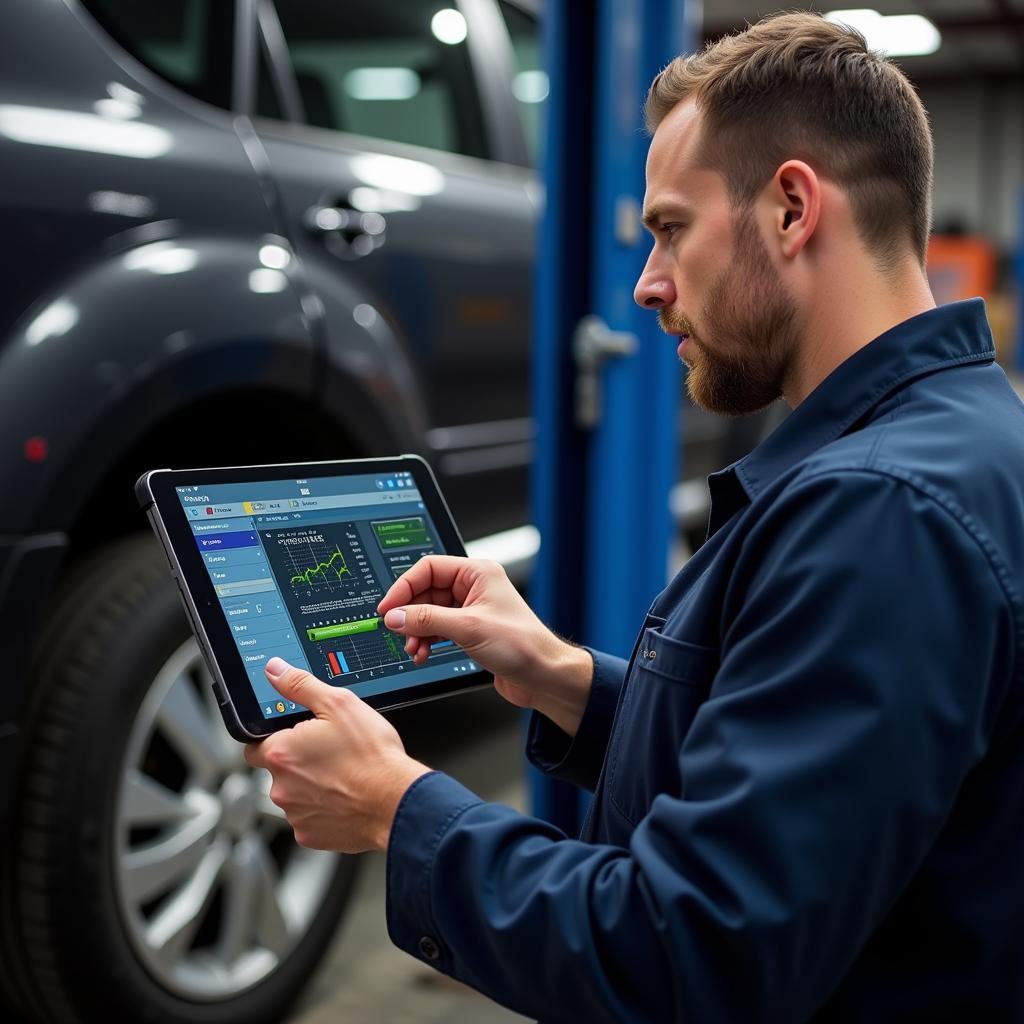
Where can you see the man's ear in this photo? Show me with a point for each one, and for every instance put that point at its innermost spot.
(795, 193)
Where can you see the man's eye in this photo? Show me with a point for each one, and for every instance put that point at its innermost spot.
(668, 230)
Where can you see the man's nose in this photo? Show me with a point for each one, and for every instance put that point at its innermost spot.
(654, 289)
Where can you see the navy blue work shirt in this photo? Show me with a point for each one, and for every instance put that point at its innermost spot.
(809, 777)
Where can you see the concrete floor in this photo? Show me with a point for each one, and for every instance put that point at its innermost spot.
(364, 977)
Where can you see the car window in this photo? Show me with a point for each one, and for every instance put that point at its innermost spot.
(530, 83)
(187, 42)
(397, 69)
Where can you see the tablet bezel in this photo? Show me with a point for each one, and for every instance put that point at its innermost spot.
(156, 491)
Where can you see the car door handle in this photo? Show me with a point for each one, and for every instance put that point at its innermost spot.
(347, 232)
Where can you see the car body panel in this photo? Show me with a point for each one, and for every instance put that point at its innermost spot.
(115, 345)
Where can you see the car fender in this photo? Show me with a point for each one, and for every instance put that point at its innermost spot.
(152, 327)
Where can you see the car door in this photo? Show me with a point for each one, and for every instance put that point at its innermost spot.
(396, 173)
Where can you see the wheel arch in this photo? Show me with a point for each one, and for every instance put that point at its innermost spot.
(238, 426)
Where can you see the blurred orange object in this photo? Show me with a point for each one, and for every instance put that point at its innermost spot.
(961, 266)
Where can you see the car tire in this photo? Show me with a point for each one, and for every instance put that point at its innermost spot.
(137, 811)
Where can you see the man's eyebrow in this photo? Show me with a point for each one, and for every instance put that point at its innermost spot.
(654, 213)
(651, 216)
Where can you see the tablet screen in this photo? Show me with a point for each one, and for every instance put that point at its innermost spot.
(299, 566)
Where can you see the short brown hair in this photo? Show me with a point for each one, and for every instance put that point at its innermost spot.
(794, 86)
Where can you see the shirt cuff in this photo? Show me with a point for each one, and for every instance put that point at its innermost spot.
(578, 759)
(429, 808)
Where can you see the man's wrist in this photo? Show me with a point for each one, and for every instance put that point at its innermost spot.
(398, 781)
(563, 698)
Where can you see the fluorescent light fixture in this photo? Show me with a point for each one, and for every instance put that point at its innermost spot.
(58, 318)
(895, 35)
(68, 129)
(161, 258)
(449, 26)
(530, 86)
(397, 173)
(382, 83)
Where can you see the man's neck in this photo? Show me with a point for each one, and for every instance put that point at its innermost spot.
(849, 313)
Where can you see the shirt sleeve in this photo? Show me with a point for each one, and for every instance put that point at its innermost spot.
(867, 644)
(578, 758)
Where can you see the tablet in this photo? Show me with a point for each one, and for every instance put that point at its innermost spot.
(292, 560)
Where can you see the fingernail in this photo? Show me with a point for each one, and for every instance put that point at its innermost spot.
(277, 666)
(395, 618)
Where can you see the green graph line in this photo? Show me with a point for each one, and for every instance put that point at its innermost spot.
(322, 568)
(390, 641)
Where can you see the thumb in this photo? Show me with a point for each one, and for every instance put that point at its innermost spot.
(433, 620)
(295, 684)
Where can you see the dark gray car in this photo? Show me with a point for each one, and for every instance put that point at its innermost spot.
(235, 231)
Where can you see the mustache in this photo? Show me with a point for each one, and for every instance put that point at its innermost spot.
(672, 322)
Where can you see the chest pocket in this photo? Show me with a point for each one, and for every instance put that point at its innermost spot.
(667, 682)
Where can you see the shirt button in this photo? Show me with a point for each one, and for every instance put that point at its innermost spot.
(429, 948)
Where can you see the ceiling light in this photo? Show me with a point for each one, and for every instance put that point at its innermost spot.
(449, 26)
(530, 86)
(895, 35)
(382, 83)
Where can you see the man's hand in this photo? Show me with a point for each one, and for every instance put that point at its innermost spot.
(472, 602)
(338, 777)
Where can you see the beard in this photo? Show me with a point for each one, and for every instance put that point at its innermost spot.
(741, 349)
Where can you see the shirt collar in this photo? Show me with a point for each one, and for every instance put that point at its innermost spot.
(945, 336)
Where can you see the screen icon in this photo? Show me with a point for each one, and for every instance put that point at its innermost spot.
(280, 707)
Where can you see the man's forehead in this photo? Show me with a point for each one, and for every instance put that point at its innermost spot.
(673, 173)
(676, 139)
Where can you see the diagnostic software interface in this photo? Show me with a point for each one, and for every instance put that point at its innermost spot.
(299, 567)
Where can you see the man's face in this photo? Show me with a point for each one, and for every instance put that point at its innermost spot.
(711, 278)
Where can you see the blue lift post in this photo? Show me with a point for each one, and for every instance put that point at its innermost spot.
(606, 381)
(1018, 263)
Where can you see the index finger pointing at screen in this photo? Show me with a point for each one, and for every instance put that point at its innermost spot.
(434, 572)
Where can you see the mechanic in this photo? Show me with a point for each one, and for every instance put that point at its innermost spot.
(809, 777)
